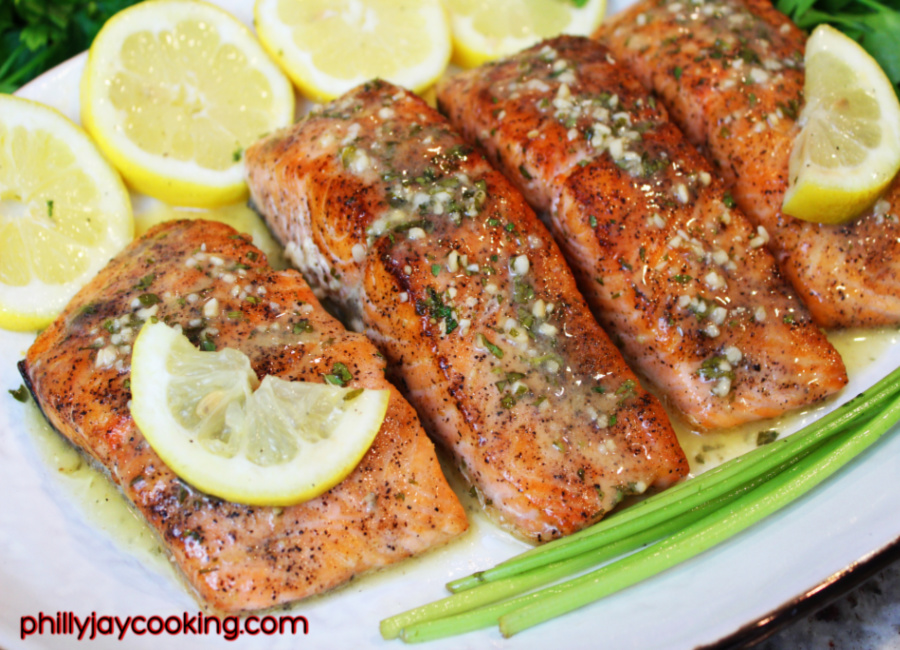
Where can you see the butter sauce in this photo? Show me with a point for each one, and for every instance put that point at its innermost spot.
(858, 348)
(104, 507)
(94, 495)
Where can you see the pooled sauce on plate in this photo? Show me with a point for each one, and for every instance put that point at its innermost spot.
(704, 451)
(95, 496)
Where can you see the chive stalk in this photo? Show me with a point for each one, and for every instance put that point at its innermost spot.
(505, 588)
(689, 518)
(704, 534)
(688, 494)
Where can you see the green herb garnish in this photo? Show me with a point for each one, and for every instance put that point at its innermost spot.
(35, 35)
(301, 326)
(20, 394)
(339, 376)
(673, 526)
(873, 24)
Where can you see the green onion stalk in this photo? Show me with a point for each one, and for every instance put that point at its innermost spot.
(677, 524)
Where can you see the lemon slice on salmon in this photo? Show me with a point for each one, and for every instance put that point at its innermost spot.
(848, 149)
(220, 429)
(484, 31)
(173, 92)
(328, 47)
(64, 213)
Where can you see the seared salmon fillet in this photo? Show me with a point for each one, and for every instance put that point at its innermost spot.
(731, 74)
(212, 282)
(392, 215)
(672, 269)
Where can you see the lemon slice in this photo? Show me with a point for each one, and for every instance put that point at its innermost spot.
(329, 46)
(148, 213)
(216, 426)
(848, 149)
(64, 213)
(173, 92)
(484, 31)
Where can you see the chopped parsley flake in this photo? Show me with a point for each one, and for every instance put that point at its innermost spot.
(301, 326)
(493, 349)
(339, 375)
(20, 394)
(149, 299)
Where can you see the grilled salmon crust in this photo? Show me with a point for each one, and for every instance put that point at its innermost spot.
(212, 282)
(392, 215)
(731, 74)
(672, 269)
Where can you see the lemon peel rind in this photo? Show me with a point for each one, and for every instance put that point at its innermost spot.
(472, 49)
(276, 39)
(150, 174)
(227, 478)
(37, 304)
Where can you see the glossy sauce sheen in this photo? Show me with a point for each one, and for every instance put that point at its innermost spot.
(391, 214)
(673, 270)
(396, 503)
(731, 74)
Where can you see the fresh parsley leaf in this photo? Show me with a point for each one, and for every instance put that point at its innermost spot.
(873, 24)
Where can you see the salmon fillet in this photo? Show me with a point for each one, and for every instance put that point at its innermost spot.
(393, 216)
(675, 273)
(731, 74)
(212, 282)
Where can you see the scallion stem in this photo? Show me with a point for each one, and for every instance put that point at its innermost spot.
(709, 531)
(688, 518)
(687, 495)
(416, 624)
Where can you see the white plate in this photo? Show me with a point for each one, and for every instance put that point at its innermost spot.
(56, 556)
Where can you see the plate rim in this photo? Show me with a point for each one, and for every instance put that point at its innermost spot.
(753, 631)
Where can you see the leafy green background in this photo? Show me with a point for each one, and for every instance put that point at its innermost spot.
(875, 25)
(36, 35)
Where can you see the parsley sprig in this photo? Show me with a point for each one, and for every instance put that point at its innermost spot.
(36, 35)
(874, 25)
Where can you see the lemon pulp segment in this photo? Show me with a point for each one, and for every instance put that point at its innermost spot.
(63, 213)
(486, 30)
(273, 442)
(173, 92)
(329, 46)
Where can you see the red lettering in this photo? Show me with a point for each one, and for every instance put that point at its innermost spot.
(160, 625)
(272, 629)
(25, 632)
(189, 623)
(176, 621)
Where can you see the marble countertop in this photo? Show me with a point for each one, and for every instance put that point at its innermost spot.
(866, 618)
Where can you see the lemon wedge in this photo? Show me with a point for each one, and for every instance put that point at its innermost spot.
(329, 46)
(173, 92)
(64, 213)
(848, 149)
(484, 31)
(219, 428)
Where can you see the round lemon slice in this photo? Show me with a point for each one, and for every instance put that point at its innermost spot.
(848, 148)
(173, 92)
(329, 46)
(484, 31)
(64, 213)
(216, 426)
